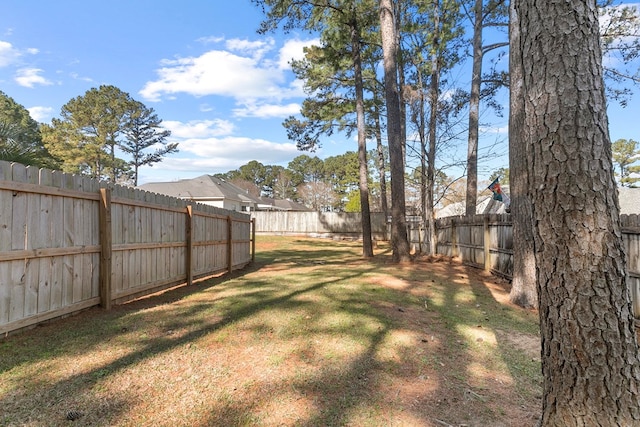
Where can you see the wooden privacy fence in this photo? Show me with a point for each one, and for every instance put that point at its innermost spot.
(69, 242)
(486, 241)
(483, 241)
(318, 224)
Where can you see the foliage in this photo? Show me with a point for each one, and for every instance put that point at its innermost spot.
(620, 41)
(353, 201)
(142, 130)
(100, 125)
(626, 155)
(20, 138)
(319, 196)
(502, 174)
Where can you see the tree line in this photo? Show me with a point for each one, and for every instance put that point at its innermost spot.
(331, 184)
(383, 72)
(391, 80)
(105, 134)
(385, 65)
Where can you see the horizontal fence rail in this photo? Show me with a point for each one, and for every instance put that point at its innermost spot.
(318, 224)
(486, 241)
(482, 241)
(69, 242)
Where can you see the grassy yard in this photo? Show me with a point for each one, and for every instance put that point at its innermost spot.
(309, 335)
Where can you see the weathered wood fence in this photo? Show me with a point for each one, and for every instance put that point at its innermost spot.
(486, 241)
(483, 241)
(69, 242)
(318, 224)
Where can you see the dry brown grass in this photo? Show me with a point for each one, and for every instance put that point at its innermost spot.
(311, 335)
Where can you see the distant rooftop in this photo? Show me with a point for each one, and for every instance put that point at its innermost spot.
(202, 187)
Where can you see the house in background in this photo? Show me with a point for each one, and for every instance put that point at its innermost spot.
(629, 200)
(214, 191)
(208, 190)
(269, 204)
(629, 204)
(485, 205)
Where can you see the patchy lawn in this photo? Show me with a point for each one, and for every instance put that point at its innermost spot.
(310, 335)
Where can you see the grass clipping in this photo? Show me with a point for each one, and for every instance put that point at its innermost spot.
(310, 335)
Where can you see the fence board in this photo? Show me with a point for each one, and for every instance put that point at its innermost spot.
(462, 237)
(50, 246)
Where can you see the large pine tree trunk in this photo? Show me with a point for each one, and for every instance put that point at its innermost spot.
(590, 356)
(523, 285)
(399, 240)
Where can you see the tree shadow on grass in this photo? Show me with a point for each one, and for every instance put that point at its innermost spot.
(181, 324)
(323, 307)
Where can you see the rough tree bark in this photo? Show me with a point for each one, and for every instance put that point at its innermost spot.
(590, 356)
(367, 243)
(474, 112)
(523, 285)
(399, 240)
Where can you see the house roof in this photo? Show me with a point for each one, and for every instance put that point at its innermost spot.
(282, 205)
(629, 204)
(205, 187)
(629, 200)
(485, 205)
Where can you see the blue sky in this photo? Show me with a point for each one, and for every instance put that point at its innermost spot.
(222, 89)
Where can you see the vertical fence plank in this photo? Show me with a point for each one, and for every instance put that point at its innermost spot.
(229, 243)
(105, 248)
(486, 243)
(189, 251)
(253, 240)
(45, 229)
(6, 229)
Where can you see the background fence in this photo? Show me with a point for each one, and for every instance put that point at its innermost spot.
(69, 242)
(486, 241)
(483, 241)
(319, 224)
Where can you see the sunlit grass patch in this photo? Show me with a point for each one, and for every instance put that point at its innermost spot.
(312, 334)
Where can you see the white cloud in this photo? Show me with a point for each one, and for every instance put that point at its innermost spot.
(77, 76)
(199, 128)
(29, 77)
(8, 54)
(237, 150)
(495, 129)
(294, 49)
(198, 156)
(210, 39)
(40, 114)
(242, 72)
(255, 49)
(214, 73)
(267, 111)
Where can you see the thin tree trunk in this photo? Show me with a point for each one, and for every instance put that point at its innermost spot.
(381, 167)
(474, 112)
(590, 360)
(434, 95)
(367, 244)
(399, 240)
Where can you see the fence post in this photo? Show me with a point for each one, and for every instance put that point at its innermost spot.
(487, 243)
(253, 239)
(454, 238)
(104, 219)
(230, 243)
(188, 258)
